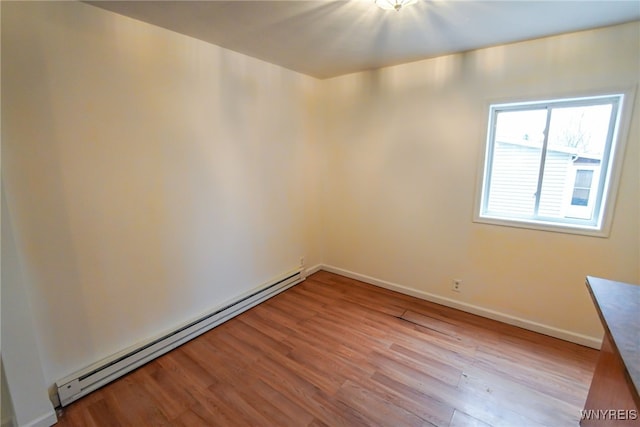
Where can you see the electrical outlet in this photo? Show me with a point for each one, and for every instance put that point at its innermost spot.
(301, 261)
(456, 285)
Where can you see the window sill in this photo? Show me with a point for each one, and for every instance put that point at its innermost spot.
(583, 230)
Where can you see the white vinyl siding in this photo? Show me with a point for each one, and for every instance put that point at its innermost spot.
(556, 170)
(514, 179)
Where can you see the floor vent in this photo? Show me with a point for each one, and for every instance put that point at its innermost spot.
(95, 376)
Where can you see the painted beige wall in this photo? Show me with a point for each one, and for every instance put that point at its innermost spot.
(405, 144)
(151, 176)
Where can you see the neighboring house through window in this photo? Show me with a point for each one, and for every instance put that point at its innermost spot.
(550, 164)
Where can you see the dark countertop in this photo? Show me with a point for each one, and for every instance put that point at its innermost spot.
(618, 306)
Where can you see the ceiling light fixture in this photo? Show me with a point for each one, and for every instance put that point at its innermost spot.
(393, 4)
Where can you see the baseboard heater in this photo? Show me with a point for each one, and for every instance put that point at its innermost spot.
(97, 375)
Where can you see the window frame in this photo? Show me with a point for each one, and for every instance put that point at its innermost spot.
(609, 178)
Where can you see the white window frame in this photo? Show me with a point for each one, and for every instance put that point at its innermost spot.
(609, 178)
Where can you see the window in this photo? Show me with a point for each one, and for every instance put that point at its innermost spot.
(582, 187)
(548, 164)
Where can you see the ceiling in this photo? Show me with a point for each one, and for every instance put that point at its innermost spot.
(329, 38)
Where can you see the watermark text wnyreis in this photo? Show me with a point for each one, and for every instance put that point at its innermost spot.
(609, 414)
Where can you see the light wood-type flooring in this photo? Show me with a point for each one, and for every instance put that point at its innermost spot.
(333, 351)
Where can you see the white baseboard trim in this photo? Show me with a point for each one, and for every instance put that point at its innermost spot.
(45, 420)
(530, 325)
(309, 271)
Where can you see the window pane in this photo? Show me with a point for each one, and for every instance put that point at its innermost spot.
(577, 136)
(583, 178)
(515, 165)
(580, 197)
(557, 169)
(580, 130)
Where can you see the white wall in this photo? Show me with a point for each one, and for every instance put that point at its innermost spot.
(150, 176)
(405, 144)
(27, 402)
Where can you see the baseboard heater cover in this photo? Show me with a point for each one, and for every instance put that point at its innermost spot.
(81, 383)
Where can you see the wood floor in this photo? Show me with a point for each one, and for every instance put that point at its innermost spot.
(333, 351)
